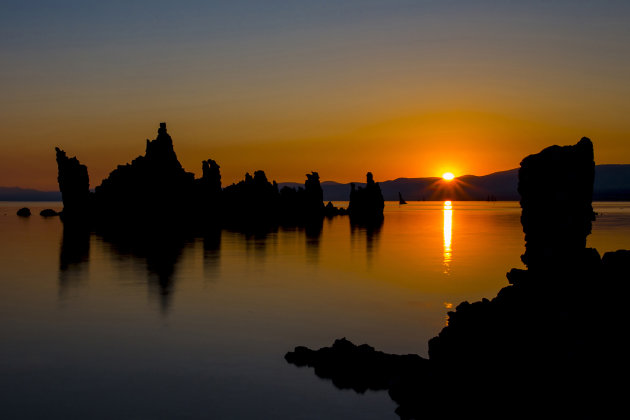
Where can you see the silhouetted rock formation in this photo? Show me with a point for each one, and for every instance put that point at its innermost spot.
(48, 213)
(366, 204)
(346, 363)
(151, 186)
(616, 262)
(303, 202)
(556, 188)
(208, 189)
(551, 342)
(24, 212)
(155, 188)
(211, 178)
(74, 184)
(313, 196)
(330, 210)
(253, 201)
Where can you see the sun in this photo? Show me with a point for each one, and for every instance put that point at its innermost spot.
(447, 176)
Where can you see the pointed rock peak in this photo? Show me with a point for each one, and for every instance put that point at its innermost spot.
(162, 137)
(260, 177)
(161, 149)
(586, 146)
(74, 184)
(585, 141)
(370, 178)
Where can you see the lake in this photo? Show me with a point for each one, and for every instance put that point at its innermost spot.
(91, 328)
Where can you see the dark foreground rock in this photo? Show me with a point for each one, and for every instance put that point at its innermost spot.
(556, 188)
(552, 343)
(24, 212)
(345, 364)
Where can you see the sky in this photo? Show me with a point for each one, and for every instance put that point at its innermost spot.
(399, 88)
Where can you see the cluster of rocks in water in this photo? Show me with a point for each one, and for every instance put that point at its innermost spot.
(26, 212)
(151, 207)
(550, 343)
(155, 187)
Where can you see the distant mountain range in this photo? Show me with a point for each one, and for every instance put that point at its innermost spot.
(612, 183)
(22, 194)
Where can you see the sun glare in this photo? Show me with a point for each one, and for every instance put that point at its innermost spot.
(447, 176)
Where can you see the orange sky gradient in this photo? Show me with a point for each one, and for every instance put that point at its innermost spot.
(407, 91)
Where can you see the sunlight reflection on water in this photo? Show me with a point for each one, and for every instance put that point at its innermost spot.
(187, 325)
(448, 229)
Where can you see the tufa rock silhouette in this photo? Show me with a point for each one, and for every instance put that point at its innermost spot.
(48, 213)
(24, 212)
(550, 342)
(366, 204)
(556, 188)
(345, 363)
(330, 210)
(151, 186)
(155, 188)
(74, 185)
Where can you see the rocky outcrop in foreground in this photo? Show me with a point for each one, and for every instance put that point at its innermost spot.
(550, 343)
(556, 188)
(345, 363)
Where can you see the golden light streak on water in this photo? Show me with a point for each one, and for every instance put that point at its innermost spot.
(448, 229)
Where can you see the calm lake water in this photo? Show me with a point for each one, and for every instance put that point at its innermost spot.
(199, 329)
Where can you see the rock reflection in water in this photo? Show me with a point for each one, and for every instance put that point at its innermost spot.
(368, 233)
(313, 241)
(212, 253)
(158, 250)
(74, 252)
(159, 253)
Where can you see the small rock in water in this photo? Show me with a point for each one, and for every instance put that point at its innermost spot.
(48, 213)
(24, 212)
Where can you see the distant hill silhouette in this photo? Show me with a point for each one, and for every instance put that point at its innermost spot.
(612, 182)
(25, 194)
